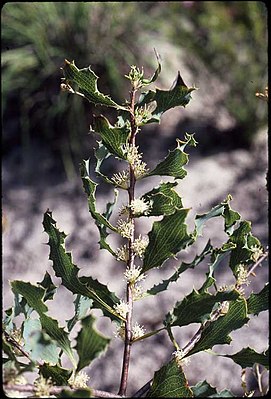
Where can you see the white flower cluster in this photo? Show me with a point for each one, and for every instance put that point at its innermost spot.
(134, 159)
(122, 254)
(42, 387)
(257, 251)
(139, 245)
(125, 228)
(242, 275)
(78, 380)
(140, 207)
(133, 275)
(122, 308)
(121, 179)
(179, 357)
(137, 331)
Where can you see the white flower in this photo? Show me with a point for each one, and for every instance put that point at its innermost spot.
(137, 331)
(137, 292)
(256, 252)
(122, 254)
(121, 179)
(179, 354)
(125, 228)
(79, 380)
(42, 387)
(139, 245)
(122, 308)
(132, 274)
(242, 275)
(140, 207)
(134, 159)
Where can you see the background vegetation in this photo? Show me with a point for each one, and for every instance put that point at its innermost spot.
(228, 39)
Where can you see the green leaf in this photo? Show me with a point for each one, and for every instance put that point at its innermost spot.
(78, 393)
(39, 344)
(166, 239)
(34, 296)
(203, 389)
(101, 220)
(82, 304)
(90, 343)
(153, 78)
(244, 241)
(257, 303)
(196, 306)
(218, 255)
(114, 138)
(173, 164)
(48, 285)
(217, 332)
(247, 357)
(86, 80)
(64, 268)
(90, 189)
(164, 199)
(223, 209)
(170, 382)
(184, 266)
(58, 375)
(178, 95)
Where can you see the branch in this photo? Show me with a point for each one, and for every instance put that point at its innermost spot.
(259, 261)
(57, 390)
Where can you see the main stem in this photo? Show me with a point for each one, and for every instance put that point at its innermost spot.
(130, 263)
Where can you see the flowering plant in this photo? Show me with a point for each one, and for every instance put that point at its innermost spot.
(218, 310)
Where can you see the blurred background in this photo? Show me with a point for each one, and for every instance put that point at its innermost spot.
(220, 47)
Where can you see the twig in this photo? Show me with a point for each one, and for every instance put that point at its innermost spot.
(259, 261)
(14, 343)
(56, 390)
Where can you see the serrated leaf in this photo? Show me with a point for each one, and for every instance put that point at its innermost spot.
(153, 78)
(39, 344)
(58, 375)
(218, 255)
(257, 303)
(64, 268)
(184, 266)
(244, 240)
(114, 138)
(166, 239)
(34, 295)
(81, 304)
(90, 343)
(48, 285)
(203, 389)
(218, 331)
(86, 80)
(100, 220)
(169, 382)
(222, 209)
(178, 95)
(173, 164)
(90, 189)
(247, 357)
(164, 199)
(196, 306)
